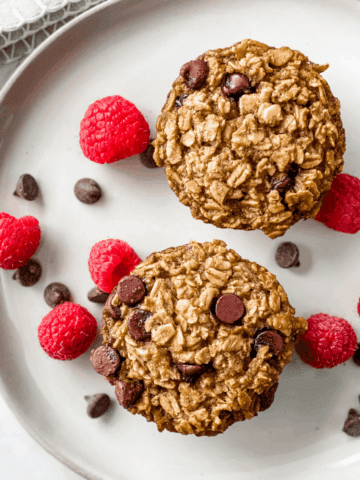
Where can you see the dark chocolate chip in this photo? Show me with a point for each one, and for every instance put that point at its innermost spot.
(179, 101)
(236, 85)
(229, 308)
(190, 373)
(128, 393)
(270, 338)
(97, 296)
(27, 188)
(97, 404)
(356, 356)
(131, 290)
(105, 360)
(136, 323)
(352, 424)
(267, 398)
(147, 156)
(115, 312)
(195, 73)
(87, 191)
(287, 182)
(56, 293)
(287, 255)
(28, 274)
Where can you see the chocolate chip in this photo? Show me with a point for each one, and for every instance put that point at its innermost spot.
(270, 338)
(128, 393)
(56, 293)
(286, 182)
(356, 356)
(28, 274)
(287, 255)
(229, 308)
(97, 296)
(27, 188)
(190, 373)
(136, 323)
(267, 398)
(236, 85)
(87, 191)
(105, 360)
(352, 424)
(179, 101)
(97, 404)
(147, 156)
(115, 312)
(131, 290)
(195, 73)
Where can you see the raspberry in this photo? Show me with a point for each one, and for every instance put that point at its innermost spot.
(341, 206)
(113, 129)
(328, 341)
(109, 261)
(67, 331)
(358, 307)
(19, 239)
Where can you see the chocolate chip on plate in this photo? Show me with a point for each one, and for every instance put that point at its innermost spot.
(97, 296)
(352, 423)
(179, 101)
(56, 293)
(115, 311)
(147, 156)
(131, 290)
(29, 274)
(229, 308)
(287, 255)
(195, 73)
(236, 84)
(136, 323)
(27, 188)
(87, 191)
(356, 356)
(105, 360)
(128, 393)
(270, 338)
(97, 404)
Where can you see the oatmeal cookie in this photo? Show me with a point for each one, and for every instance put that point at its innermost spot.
(196, 337)
(251, 137)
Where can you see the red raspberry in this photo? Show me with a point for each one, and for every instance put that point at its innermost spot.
(67, 331)
(109, 261)
(113, 129)
(19, 239)
(328, 341)
(358, 307)
(341, 206)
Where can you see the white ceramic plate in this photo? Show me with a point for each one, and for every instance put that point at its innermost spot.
(135, 49)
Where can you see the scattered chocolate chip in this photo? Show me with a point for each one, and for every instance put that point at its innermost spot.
(56, 293)
(115, 312)
(270, 338)
(147, 156)
(352, 424)
(97, 404)
(287, 255)
(195, 73)
(236, 85)
(190, 373)
(87, 191)
(356, 356)
(229, 308)
(97, 296)
(105, 360)
(27, 188)
(131, 290)
(136, 323)
(28, 274)
(128, 393)
(179, 101)
(267, 398)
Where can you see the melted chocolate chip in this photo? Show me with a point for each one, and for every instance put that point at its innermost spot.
(229, 308)
(115, 312)
(179, 101)
(195, 73)
(136, 323)
(236, 85)
(97, 404)
(87, 191)
(97, 296)
(131, 290)
(352, 424)
(29, 274)
(27, 188)
(128, 393)
(287, 255)
(286, 182)
(147, 156)
(105, 360)
(56, 293)
(270, 338)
